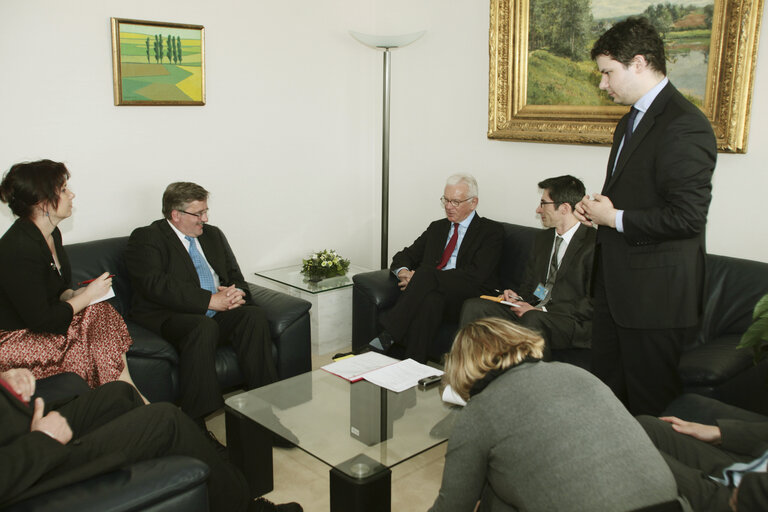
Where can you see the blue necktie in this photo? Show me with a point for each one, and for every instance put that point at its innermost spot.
(630, 125)
(203, 272)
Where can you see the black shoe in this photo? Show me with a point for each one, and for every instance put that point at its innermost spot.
(220, 448)
(264, 505)
(382, 342)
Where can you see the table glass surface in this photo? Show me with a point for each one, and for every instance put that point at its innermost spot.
(293, 277)
(333, 408)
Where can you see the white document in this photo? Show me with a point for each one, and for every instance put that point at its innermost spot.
(353, 368)
(452, 397)
(401, 376)
(110, 293)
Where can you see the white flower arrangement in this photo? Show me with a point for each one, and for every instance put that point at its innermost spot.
(324, 264)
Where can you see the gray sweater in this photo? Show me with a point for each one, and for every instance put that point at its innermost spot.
(549, 437)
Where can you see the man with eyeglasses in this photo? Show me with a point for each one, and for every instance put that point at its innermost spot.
(188, 288)
(554, 296)
(454, 259)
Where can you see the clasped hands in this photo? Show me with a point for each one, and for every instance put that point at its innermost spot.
(404, 277)
(228, 297)
(596, 210)
(52, 424)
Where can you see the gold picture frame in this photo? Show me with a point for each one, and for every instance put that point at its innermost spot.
(157, 63)
(727, 100)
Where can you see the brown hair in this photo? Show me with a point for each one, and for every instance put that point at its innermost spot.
(486, 345)
(179, 194)
(28, 184)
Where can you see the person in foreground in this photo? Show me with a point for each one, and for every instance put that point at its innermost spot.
(189, 289)
(97, 432)
(702, 459)
(540, 436)
(45, 325)
(651, 217)
(454, 259)
(554, 297)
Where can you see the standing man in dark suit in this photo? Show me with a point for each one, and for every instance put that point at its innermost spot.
(189, 289)
(554, 296)
(100, 431)
(454, 259)
(652, 215)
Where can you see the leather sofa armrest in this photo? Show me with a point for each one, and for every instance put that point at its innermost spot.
(378, 286)
(172, 483)
(282, 309)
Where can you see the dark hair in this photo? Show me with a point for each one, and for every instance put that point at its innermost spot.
(633, 36)
(27, 184)
(564, 189)
(177, 195)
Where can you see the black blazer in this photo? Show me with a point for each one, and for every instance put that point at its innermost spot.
(163, 275)
(747, 438)
(476, 262)
(654, 271)
(32, 462)
(30, 285)
(571, 293)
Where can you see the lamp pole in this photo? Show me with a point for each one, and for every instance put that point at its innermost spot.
(385, 43)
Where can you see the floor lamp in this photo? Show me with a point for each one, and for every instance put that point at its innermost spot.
(385, 43)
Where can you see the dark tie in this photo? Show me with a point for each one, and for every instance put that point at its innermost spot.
(630, 125)
(552, 272)
(203, 272)
(450, 247)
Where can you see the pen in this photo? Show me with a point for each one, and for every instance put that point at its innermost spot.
(110, 276)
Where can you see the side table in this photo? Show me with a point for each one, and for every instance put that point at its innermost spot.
(331, 313)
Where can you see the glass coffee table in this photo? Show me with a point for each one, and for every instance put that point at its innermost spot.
(358, 429)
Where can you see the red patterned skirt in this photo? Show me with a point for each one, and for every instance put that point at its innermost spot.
(93, 347)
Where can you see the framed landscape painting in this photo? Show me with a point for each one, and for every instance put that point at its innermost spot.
(544, 85)
(155, 63)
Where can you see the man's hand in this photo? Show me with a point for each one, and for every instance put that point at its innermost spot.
(228, 297)
(707, 433)
(580, 213)
(523, 309)
(21, 381)
(733, 502)
(404, 277)
(599, 210)
(52, 424)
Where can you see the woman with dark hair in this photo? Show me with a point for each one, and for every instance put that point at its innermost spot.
(45, 325)
(540, 436)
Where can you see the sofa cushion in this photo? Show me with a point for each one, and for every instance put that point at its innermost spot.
(714, 363)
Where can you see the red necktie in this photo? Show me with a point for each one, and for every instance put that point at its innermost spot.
(449, 248)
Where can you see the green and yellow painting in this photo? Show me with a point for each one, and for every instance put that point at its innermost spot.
(161, 64)
(562, 32)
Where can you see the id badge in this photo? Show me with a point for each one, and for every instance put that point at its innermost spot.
(541, 292)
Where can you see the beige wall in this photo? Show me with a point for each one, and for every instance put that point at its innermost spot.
(289, 142)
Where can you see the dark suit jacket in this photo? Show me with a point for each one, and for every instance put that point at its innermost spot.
(748, 438)
(164, 277)
(32, 462)
(30, 286)
(476, 262)
(654, 271)
(571, 293)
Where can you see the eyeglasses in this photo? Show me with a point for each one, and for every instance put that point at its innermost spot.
(455, 202)
(543, 202)
(197, 214)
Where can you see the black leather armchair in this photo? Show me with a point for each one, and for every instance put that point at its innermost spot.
(712, 366)
(154, 362)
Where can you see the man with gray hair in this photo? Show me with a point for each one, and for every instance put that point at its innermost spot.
(454, 259)
(189, 289)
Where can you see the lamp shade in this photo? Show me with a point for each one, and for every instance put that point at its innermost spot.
(386, 42)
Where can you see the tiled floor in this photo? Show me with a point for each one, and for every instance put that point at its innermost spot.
(302, 478)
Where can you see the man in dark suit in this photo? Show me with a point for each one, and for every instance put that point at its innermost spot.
(454, 259)
(554, 296)
(698, 454)
(100, 431)
(189, 289)
(652, 216)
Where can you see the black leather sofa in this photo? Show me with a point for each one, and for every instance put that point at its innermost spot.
(712, 366)
(153, 361)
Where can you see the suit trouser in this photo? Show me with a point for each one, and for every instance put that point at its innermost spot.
(691, 461)
(639, 365)
(113, 419)
(197, 336)
(556, 329)
(416, 316)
